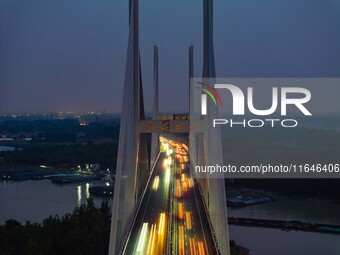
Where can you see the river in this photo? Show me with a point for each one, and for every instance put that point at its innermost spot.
(266, 241)
(36, 200)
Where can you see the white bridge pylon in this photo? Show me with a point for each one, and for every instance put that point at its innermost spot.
(134, 159)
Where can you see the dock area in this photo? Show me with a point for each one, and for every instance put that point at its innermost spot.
(56, 177)
(285, 225)
(28, 174)
(75, 179)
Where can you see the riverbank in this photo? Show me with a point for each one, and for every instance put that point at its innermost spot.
(263, 240)
(268, 241)
(286, 225)
(34, 200)
(60, 235)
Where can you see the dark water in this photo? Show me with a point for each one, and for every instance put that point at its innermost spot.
(265, 241)
(285, 208)
(36, 200)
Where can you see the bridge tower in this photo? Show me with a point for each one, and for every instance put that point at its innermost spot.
(132, 169)
(210, 151)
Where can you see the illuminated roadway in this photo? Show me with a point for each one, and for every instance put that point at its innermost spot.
(171, 218)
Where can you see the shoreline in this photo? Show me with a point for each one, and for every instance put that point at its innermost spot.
(285, 225)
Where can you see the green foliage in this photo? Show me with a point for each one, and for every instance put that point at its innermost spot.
(56, 154)
(61, 142)
(233, 247)
(85, 231)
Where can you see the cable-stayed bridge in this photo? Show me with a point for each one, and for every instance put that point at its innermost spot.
(159, 207)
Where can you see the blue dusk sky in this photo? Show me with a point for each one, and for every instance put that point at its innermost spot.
(69, 55)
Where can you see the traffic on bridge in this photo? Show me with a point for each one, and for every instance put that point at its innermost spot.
(171, 218)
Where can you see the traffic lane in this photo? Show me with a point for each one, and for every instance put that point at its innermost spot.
(205, 226)
(192, 226)
(196, 230)
(150, 209)
(148, 212)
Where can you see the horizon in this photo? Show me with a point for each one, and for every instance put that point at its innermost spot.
(70, 56)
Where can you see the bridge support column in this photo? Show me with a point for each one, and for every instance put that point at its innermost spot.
(132, 168)
(214, 194)
(155, 146)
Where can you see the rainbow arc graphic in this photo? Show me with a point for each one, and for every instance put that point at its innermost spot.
(211, 91)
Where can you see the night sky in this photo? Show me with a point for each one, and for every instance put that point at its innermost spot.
(69, 55)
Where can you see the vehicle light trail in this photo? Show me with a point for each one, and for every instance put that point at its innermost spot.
(167, 175)
(191, 183)
(201, 248)
(188, 220)
(152, 238)
(155, 183)
(181, 247)
(183, 178)
(192, 246)
(161, 224)
(169, 161)
(142, 238)
(166, 163)
(170, 194)
(178, 189)
(180, 210)
(185, 186)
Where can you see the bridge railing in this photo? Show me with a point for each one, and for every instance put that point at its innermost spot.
(133, 220)
(208, 217)
(171, 201)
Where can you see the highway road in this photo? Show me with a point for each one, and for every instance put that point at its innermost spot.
(171, 218)
(149, 233)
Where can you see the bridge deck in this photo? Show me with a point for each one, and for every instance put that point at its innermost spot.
(171, 218)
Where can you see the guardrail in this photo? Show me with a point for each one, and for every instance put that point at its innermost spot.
(126, 240)
(208, 217)
(169, 246)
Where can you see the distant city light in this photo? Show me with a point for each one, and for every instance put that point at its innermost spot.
(79, 195)
(87, 190)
